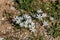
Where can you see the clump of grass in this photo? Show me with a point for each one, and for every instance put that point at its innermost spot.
(23, 4)
(54, 29)
(40, 38)
(52, 8)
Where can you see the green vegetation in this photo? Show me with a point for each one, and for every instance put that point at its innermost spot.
(54, 29)
(40, 37)
(23, 4)
(52, 8)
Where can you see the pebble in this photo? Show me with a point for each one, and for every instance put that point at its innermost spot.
(2, 19)
(8, 27)
(12, 8)
(1, 38)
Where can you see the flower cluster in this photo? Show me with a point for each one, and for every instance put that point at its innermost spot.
(25, 21)
(39, 15)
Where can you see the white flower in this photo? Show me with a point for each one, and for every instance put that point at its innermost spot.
(44, 15)
(39, 11)
(26, 22)
(26, 25)
(20, 18)
(18, 21)
(16, 18)
(25, 16)
(38, 16)
(45, 23)
(32, 24)
(1, 38)
(21, 24)
(51, 18)
(33, 29)
(29, 20)
(28, 17)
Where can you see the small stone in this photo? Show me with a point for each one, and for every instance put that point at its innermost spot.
(1, 38)
(2, 18)
(8, 27)
(3, 31)
(12, 8)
